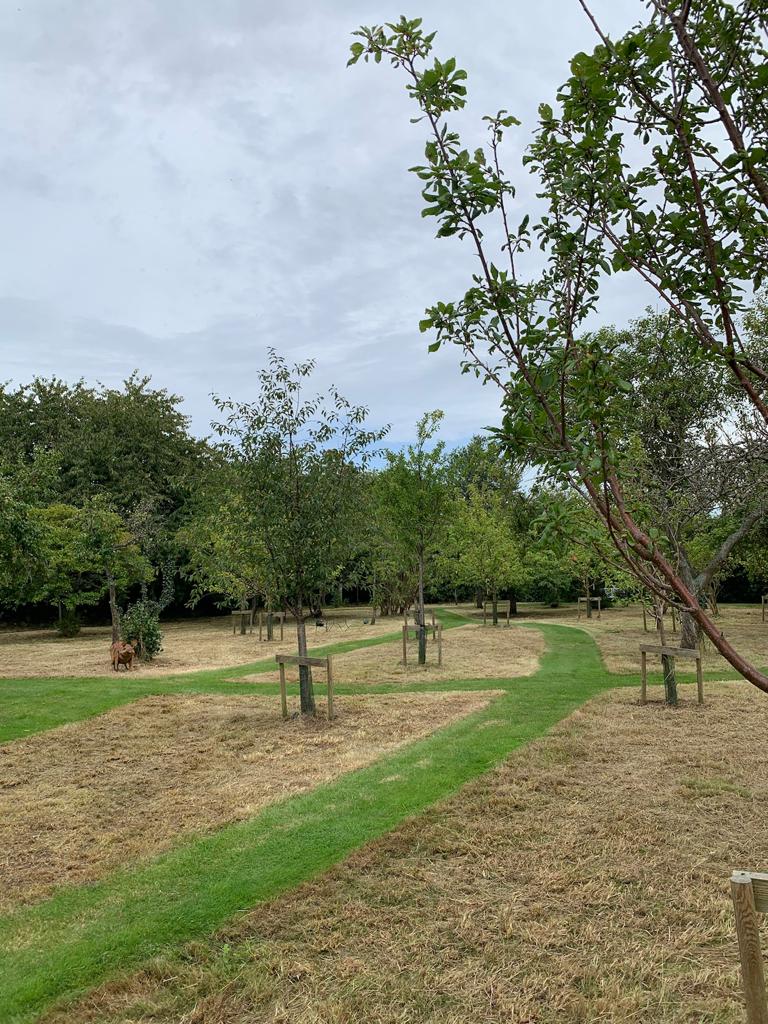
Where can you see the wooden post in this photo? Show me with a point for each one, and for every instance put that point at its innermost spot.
(405, 645)
(283, 693)
(748, 932)
(578, 608)
(643, 677)
(485, 605)
(329, 676)
(699, 680)
(674, 620)
(440, 644)
(509, 607)
(261, 624)
(645, 620)
(599, 607)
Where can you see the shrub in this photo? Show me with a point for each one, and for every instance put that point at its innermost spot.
(69, 623)
(140, 626)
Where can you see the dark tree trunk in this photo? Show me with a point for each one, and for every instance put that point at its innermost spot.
(114, 611)
(588, 593)
(495, 605)
(667, 663)
(243, 608)
(689, 631)
(479, 595)
(670, 682)
(513, 605)
(306, 690)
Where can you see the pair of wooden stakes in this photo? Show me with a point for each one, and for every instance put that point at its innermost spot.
(242, 617)
(294, 659)
(437, 634)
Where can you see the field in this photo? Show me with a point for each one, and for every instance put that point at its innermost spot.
(583, 880)
(128, 784)
(509, 837)
(469, 652)
(190, 646)
(619, 632)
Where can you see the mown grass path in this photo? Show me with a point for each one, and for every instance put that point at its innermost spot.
(73, 940)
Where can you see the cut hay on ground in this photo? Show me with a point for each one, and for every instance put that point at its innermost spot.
(188, 646)
(469, 652)
(84, 798)
(619, 632)
(586, 880)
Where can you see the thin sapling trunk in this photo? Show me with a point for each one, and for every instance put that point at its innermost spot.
(306, 690)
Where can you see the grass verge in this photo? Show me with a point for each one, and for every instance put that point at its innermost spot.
(69, 943)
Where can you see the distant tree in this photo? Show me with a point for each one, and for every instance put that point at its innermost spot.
(20, 546)
(128, 446)
(416, 494)
(299, 463)
(482, 549)
(655, 162)
(224, 551)
(85, 554)
(483, 466)
(691, 450)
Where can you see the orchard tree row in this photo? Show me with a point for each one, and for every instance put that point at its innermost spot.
(108, 500)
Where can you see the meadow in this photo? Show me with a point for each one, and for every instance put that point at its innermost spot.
(529, 846)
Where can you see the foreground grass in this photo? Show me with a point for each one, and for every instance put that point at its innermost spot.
(70, 942)
(585, 879)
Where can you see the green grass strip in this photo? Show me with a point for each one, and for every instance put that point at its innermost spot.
(69, 943)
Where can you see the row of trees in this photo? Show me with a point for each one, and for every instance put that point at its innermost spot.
(297, 500)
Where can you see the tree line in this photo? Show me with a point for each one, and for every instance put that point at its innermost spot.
(295, 500)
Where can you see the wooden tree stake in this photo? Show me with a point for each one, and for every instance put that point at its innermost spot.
(329, 677)
(750, 954)
(283, 692)
(643, 677)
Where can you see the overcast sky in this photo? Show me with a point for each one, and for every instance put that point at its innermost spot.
(184, 183)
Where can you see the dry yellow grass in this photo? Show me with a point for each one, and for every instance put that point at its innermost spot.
(585, 880)
(469, 652)
(619, 632)
(188, 646)
(84, 798)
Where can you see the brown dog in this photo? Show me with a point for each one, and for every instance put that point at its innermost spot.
(122, 654)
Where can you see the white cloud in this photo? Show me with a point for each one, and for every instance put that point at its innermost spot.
(184, 185)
